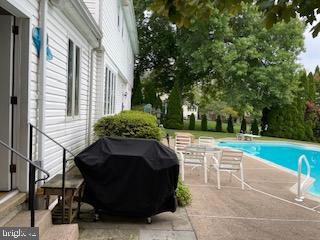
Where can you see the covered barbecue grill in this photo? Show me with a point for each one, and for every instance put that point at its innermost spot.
(129, 177)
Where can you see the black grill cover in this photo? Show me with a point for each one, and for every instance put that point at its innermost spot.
(129, 177)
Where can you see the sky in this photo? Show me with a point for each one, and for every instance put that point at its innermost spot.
(311, 57)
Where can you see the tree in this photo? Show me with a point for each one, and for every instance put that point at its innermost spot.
(150, 95)
(204, 123)
(218, 124)
(192, 122)
(293, 121)
(158, 103)
(230, 125)
(137, 97)
(184, 12)
(311, 87)
(174, 115)
(255, 127)
(159, 53)
(243, 127)
(256, 68)
(157, 47)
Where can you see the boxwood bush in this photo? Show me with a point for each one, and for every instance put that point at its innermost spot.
(132, 124)
(192, 122)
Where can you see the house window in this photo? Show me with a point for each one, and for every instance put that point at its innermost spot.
(109, 93)
(73, 80)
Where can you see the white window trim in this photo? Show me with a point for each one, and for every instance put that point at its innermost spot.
(75, 45)
(109, 96)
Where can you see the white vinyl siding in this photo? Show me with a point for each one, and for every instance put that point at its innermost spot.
(118, 57)
(70, 132)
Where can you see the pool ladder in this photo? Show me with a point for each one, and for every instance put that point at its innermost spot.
(300, 197)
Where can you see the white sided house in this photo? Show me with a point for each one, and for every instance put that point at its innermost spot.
(63, 65)
(189, 109)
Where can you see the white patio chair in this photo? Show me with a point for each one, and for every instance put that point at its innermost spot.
(240, 136)
(230, 161)
(194, 159)
(181, 141)
(207, 141)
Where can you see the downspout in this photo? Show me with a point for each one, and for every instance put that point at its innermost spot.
(93, 51)
(42, 77)
(90, 94)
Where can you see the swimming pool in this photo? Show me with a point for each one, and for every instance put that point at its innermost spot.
(285, 155)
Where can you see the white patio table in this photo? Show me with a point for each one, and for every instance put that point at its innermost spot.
(203, 153)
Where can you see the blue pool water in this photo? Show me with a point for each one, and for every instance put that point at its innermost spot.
(285, 155)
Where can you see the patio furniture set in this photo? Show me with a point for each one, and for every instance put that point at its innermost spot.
(207, 156)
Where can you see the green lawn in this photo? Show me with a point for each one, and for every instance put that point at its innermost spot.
(221, 135)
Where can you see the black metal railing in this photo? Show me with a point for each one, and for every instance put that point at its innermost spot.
(64, 164)
(33, 166)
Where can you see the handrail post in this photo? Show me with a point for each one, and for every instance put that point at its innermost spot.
(63, 184)
(299, 195)
(32, 176)
(300, 186)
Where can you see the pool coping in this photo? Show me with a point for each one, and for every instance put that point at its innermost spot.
(293, 189)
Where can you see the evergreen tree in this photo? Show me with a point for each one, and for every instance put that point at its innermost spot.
(218, 124)
(293, 121)
(243, 125)
(137, 97)
(174, 111)
(312, 87)
(230, 125)
(192, 122)
(255, 127)
(158, 103)
(150, 95)
(204, 123)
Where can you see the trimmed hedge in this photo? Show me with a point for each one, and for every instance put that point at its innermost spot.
(218, 124)
(243, 125)
(174, 118)
(255, 127)
(230, 128)
(192, 122)
(132, 124)
(204, 123)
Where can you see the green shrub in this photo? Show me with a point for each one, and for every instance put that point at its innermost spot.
(255, 127)
(204, 123)
(243, 125)
(192, 122)
(132, 124)
(183, 194)
(174, 119)
(218, 124)
(230, 125)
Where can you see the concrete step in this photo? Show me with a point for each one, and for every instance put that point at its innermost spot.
(42, 220)
(11, 207)
(47, 231)
(62, 232)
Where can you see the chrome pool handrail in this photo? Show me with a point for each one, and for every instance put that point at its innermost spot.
(300, 186)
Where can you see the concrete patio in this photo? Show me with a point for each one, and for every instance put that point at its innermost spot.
(264, 210)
